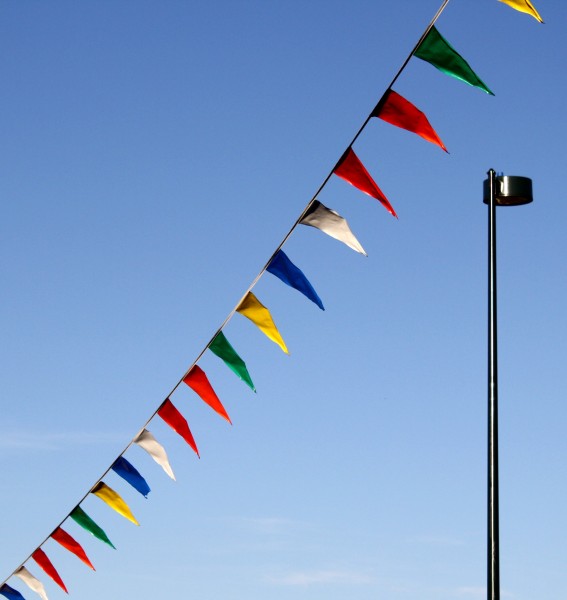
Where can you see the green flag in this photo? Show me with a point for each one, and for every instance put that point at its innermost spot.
(436, 50)
(222, 348)
(80, 516)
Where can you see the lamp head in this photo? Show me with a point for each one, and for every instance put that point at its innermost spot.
(511, 190)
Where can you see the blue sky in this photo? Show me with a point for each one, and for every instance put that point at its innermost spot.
(154, 155)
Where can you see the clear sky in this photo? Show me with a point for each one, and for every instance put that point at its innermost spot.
(154, 154)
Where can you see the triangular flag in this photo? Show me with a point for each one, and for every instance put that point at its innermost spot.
(10, 593)
(352, 170)
(253, 309)
(331, 223)
(149, 443)
(284, 269)
(177, 422)
(524, 6)
(398, 111)
(129, 473)
(41, 559)
(222, 348)
(198, 382)
(437, 51)
(80, 517)
(113, 499)
(32, 582)
(68, 542)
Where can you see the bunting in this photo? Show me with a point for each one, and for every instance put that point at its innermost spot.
(392, 108)
(284, 269)
(398, 111)
(81, 518)
(177, 422)
(524, 6)
(330, 222)
(32, 582)
(149, 443)
(437, 51)
(43, 561)
(114, 500)
(253, 309)
(10, 593)
(129, 473)
(222, 348)
(68, 542)
(198, 382)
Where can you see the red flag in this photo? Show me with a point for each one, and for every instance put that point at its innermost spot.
(41, 559)
(198, 382)
(352, 170)
(63, 538)
(177, 422)
(398, 111)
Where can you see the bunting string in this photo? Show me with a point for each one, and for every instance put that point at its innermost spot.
(392, 108)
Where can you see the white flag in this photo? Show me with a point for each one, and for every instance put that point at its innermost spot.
(331, 223)
(149, 443)
(33, 583)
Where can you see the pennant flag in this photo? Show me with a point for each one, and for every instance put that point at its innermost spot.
(222, 348)
(437, 51)
(80, 517)
(108, 495)
(10, 593)
(524, 6)
(68, 542)
(32, 582)
(129, 473)
(254, 310)
(41, 559)
(284, 269)
(177, 422)
(331, 223)
(352, 170)
(398, 111)
(198, 382)
(149, 443)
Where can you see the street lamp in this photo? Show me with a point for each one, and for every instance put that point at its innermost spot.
(498, 191)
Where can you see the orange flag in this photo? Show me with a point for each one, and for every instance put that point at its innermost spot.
(352, 170)
(41, 559)
(177, 422)
(63, 538)
(398, 111)
(198, 382)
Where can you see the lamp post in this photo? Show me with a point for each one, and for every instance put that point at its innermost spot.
(498, 191)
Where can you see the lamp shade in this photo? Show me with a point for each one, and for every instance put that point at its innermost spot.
(511, 190)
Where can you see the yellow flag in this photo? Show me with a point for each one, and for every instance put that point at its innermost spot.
(113, 500)
(524, 6)
(254, 310)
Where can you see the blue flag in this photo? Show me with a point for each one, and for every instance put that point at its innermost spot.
(284, 269)
(128, 472)
(10, 593)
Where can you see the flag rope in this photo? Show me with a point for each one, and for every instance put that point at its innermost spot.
(250, 287)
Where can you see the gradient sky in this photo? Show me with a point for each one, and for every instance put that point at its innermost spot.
(154, 155)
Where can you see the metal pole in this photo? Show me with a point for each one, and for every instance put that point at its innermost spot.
(493, 529)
